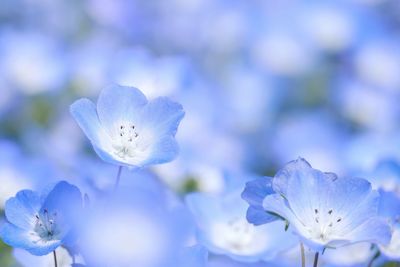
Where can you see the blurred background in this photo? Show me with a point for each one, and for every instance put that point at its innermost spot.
(262, 82)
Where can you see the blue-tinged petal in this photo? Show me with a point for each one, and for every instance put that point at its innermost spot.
(84, 112)
(392, 250)
(163, 151)
(389, 206)
(66, 200)
(276, 204)
(308, 191)
(119, 104)
(21, 209)
(349, 192)
(195, 256)
(162, 116)
(203, 207)
(19, 238)
(374, 230)
(359, 213)
(259, 216)
(292, 168)
(256, 190)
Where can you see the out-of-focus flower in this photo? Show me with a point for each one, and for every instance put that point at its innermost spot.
(127, 130)
(378, 63)
(18, 172)
(138, 228)
(40, 224)
(33, 62)
(390, 209)
(291, 139)
(154, 76)
(330, 26)
(320, 207)
(224, 230)
(355, 255)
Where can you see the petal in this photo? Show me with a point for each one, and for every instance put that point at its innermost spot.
(119, 104)
(162, 116)
(163, 151)
(204, 208)
(21, 209)
(375, 230)
(19, 238)
(359, 213)
(256, 190)
(195, 256)
(84, 112)
(276, 204)
(281, 179)
(308, 190)
(259, 216)
(349, 192)
(66, 200)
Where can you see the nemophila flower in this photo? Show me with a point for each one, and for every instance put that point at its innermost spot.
(128, 130)
(134, 228)
(224, 230)
(326, 211)
(42, 223)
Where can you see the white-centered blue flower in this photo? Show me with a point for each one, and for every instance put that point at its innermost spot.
(326, 211)
(128, 130)
(224, 230)
(41, 223)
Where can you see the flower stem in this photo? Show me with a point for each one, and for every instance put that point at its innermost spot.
(118, 178)
(55, 258)
(316, 259)
(371, 262)
(303, 258)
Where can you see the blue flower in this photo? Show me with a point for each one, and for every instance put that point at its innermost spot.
(40, 224)
(134, 227)
(128, 130)
(326, 211)
(224, 230)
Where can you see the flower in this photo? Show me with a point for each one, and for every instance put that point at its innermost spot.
(128, 130)
(40, 224)
(224, 230)
(326, 211)
(134, 227)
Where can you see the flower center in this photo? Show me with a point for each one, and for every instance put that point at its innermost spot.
(323, 224)
(125, 142)
(237, 235)
(45, 225)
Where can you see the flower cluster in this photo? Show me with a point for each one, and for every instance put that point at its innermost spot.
(199, 133)
(299, 211)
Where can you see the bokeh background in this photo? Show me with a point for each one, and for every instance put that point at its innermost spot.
(262, 82)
